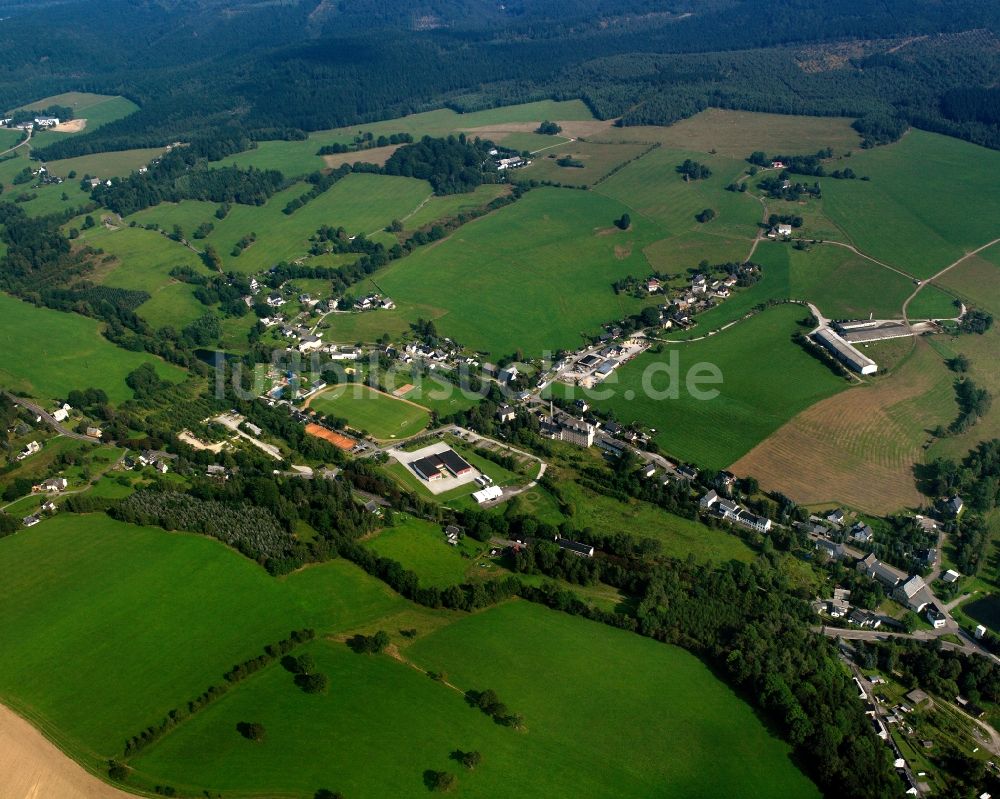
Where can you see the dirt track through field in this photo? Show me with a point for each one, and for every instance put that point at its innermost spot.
(31, 767)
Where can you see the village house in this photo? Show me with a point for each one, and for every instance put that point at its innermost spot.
(862, 533)
(950, 576)
(61, 414)
(505, 413)
(913, 593)
(955, 506)
(887, 575)
(836, 516)
(487, 494)
(31, 521)
(310, 343)
(653, 285)
(29, 449)
(275, 300)
(52, 485)
(936, 616)
(452, 534)
(508, 374)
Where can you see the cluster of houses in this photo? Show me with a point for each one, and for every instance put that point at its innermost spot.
(702, 294)
(156, 459)
(730, 511)
(31, 124)
(374, 302)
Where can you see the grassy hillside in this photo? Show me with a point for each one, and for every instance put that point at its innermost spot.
(382, 723)
(48, 353)
(531, 276)
(930, 199)
(767, 379)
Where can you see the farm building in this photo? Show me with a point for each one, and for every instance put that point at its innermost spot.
(845, 352)
(583, 550)
(487, 494)
(439, 465)
(875, 569)
(913, 593)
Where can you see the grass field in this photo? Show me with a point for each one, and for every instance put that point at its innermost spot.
(298, 158)
(531, 141)
(452, 204)
(382, 723)
(48, 353)
(144, 260)
(72, 590)
(105, 165)
(421, 547)
(860, 447)
(931, 198)
(97, 109)
(531, 276)
(598, 160)
(369, 411)
(767, 379)
(362, 203)
(9, 137)
(437, 395)
(847, 286)
(738, 133)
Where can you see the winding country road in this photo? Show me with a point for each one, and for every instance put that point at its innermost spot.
(916, 291)
(48, 418)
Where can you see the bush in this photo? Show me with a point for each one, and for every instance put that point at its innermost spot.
(251, 730)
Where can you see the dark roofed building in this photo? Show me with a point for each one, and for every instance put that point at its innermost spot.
(434, 467)
(584, 550)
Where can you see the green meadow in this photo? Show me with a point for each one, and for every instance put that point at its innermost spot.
(371, 412)
(531, 276)
(48, 353)
(299, 158)
(597, 160)
(105, 165)
(97, 109)
(74, 612)
(766, 380)
(144, 259)
(651, 187)
(930, 199)
(361, 203)
(420, 546)
(382, 723)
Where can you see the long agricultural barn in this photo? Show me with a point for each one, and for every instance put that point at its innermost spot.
(845, 352)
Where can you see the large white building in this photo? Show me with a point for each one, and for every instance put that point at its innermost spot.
(845, 352)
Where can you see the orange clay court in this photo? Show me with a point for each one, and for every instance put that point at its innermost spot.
(402, 391)
(338, 440)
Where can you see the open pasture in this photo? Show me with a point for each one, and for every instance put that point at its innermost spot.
(369, 411)
(531, 142)
(860, 447)
(299, 158)
(382, 723)
(767, 379)
(118, 163)
(420, 546)
(144, 259)
(97, 109)
(846, 286)
(597, 159)
(738, 133)
(531, 276)
(84, 640)
(452, 204)
(9, 137)
(48, 353)
(931, 198)
(652, 189)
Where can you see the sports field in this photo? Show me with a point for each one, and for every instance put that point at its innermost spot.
(48, 353)
(930, 199)
(383, 723)
(371, 412)
(767, 379)
(531, 276)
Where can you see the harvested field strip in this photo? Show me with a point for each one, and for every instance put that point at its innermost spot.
(859, 447)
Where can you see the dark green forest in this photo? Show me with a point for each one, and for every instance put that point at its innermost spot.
(279, 69)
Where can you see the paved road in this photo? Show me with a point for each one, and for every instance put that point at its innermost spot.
(48, 418)
(969, 645)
